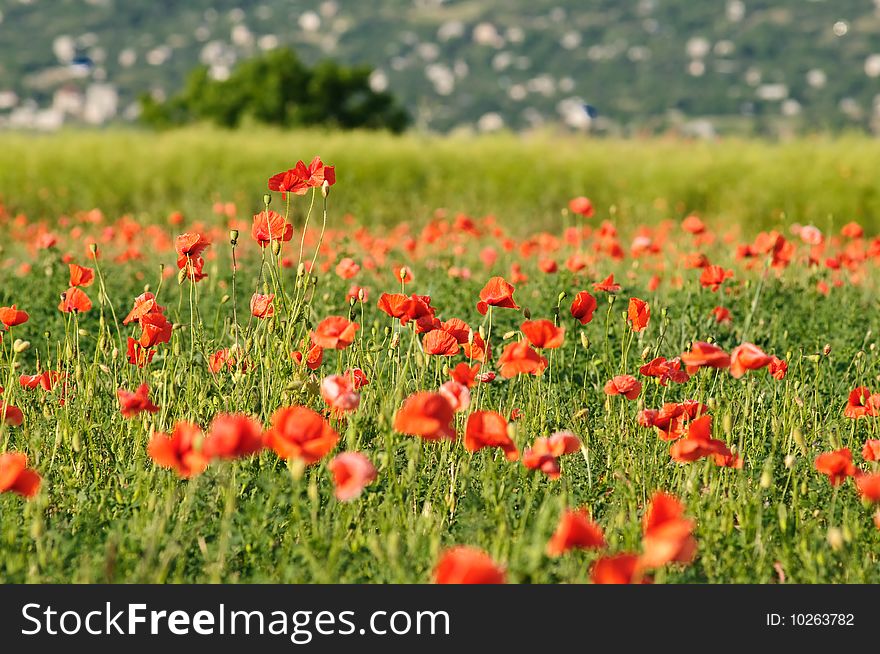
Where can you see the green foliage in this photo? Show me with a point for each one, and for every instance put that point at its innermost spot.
(278, 89)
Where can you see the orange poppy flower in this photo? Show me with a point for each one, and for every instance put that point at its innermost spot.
(705, 355)
(496, 293)
(489, 429)
(16, 477)
(699, 444)
(581, 206)
(314, 357)
(358, 378)
(352, 472)
(670, 420)
(778, 368)
(713, 277)
(10, 415)
(519, 358)
(189, 255)
(440, 343)
(465, 374)
(722, 315)
(747, 357)
(143, 305)
(301, 178)
(12, 316)
(179, 451)
(576, 529)
(544, 453)
(608, 285)
(299, 433)
(477, 350)
(638, 314)
(263, 306)
(871, 450)
(869, 487)
(339, 393)
(666, 534)
(137, 355)
(543, 334)
(664, 370)
(131, 404)
(347, 268)
(81, 276)
(155, 329)
(467, 565)
(837, 465)
(625, 385)
(270, 226)
(618, 569)
(73, 300)
(583, 306)
(425, 414)
(334, 332)
(693, 225)
(861, 403)
(458, 395)
(224, 358)
(233, 436)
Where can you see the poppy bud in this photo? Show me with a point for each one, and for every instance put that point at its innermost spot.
(585, 341)
(470, 337)
(526, 313)
(835, 538)
(297, 467)
(789, 461)
(105, 369)
(267, 199)
(276, 247)
(827, 349)
(798, 437)
(181, 276)
(727, 423)
(766, 479)
(312, 491)
(646, 353)
(301, 270)
(482, 332)
(395, 340)
(508, 335)
(93, 248)
(325, 189)
(362, 295)
(560, 297)
(114, 354)
(233, 236)
(20, 346)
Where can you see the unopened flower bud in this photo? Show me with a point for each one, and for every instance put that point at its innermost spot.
(20, 346)
(233, 236)
(267, 199)
(93, 248)
(325, 189)
(827, 349)
(527, 314)
(276, 248)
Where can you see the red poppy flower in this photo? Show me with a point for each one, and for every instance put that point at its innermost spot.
(334, 332)
(489, 429)
(581, 206)
(638, 314)
(519, 358)
(836, 465)
(664, 370)
(583, 306)
(440, 343)
(477, 350)
(10, 415)
(73, 300)
(575, 530)
(705, 355)
(352, 472)
(16, 477)
(189, 254)
(607, 285)
(155, 329)
(543, 334)
(263, 306)
(467, 565)
(852, 230)
(179, 451)
(270, 226)
(347, 268)
(667, 535)
(618, 569)
(722, 315)
(778, 368)
(871, 450)
(862, 403)
(496, 293)
(295, 180)
(458, 395)
(233, 436)
(869, 487)
(548, 266)
(698, 444)
(131, 404)
(747, 357)
(693, 225)
(143, 305)
(314, 357)
(225, 358)
(358, 378)
(339, 393)
(81, 276)
(137, 355)
(544, 453)
(465, 374)
(12, 316)
(426, 414)
(671, 419)
(713, 277)
(625, 385)
(300, 433)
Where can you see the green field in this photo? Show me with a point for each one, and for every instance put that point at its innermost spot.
(107, 513)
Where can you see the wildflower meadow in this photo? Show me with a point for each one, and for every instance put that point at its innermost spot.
(370, 359)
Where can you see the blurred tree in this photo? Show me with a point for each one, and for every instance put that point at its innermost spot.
(278, 89)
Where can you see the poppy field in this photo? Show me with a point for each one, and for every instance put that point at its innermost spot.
(275, 368)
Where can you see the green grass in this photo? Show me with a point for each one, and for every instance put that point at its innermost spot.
(107, 513)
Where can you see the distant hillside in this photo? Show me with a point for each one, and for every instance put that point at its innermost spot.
(701, 66)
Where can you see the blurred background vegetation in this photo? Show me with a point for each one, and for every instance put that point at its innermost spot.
(523, 180)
